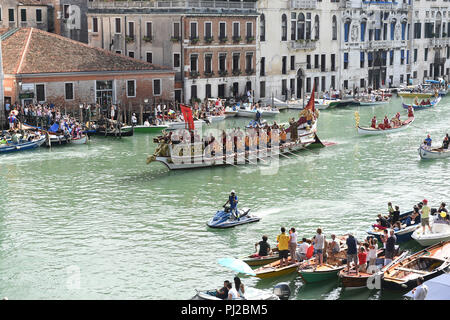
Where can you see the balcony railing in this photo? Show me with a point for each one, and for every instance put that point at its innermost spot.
(439, 41)
(303, 44)
(177, 4)
(303, 4)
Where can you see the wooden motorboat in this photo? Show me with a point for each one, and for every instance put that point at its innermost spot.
(273, 269)
(427, 263)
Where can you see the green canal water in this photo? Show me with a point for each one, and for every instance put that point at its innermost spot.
(96, 222)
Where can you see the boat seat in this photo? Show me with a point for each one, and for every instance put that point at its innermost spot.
(410, 270)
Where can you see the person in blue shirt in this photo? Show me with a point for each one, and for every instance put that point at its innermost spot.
(258, 116)
(428, 141)
(233, 201)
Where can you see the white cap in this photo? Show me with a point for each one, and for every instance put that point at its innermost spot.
(232, 191)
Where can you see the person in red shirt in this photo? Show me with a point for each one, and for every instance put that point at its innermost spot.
(410, 112)
(386, 123)
(374, 122)
(362, 259)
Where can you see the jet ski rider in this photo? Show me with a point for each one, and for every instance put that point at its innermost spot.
(233, 201)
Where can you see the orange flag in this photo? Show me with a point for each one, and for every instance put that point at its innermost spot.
(187, 115)
(310, 104)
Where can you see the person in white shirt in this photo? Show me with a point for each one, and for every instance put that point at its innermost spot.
(319, 240)
(241, 289)
(420, 292)
(302, 250)
(232, 293)
(292, 244)
(373, 248)
(134, 119)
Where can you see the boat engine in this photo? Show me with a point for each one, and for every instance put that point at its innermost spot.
(282, 291)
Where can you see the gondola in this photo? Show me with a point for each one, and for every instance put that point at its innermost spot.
(374, 131)
(422, 106)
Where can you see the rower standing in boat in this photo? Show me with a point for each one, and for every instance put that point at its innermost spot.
(425, 215)
(428, 141)
(352, 252)
(233, 201)
(292, 244)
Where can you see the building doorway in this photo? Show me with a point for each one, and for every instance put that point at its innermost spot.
(299, 83)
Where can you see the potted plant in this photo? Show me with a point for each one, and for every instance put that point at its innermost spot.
(208, 39)
(147, 39)
(223, 39)
(129, 39)
(194, 40)
(250, 39)
(193, 74)
(223, 73)
(236, 72)
(237, 39)
(174, 39)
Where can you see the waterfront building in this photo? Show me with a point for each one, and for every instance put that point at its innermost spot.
(24, 13)
(212, 48)
(44, 67)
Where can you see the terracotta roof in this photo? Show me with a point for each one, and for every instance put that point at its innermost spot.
(32, 51)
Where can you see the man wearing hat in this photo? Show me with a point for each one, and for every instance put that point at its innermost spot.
(233, 201)
(425, 215)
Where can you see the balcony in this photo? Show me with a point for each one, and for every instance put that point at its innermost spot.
(303, 45)
(249, 71)
(194, 74)
(438, 42)
(223, 73)
(208, 40)
(236, 72)
(303, 4)
(209, 73)
(250, 39)
(188, 5)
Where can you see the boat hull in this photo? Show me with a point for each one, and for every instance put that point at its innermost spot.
(82, 140)
(311, 275)
(372, 131)
(417, 94)
(149, 129)
(440, 232)
(433, 154)
(23, 146)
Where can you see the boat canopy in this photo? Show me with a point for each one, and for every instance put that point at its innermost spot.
(432, 81)
(438, 288)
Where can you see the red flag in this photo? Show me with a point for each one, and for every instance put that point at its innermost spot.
(310, 104)
(187, 115)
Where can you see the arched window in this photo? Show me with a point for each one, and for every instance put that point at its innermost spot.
(262, 28)
(346, 29)
(316, 28)
(393, 23)
(283, 28)
(363, 29)
(334, 29)
(301, 26)
(438, 24)
(404, 29)
(308, 26)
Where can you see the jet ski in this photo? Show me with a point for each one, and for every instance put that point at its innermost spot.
(256, 124)
(225, 219)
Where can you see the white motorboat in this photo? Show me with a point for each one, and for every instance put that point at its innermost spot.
(182, 125)
(250, 294)
(440, 231)
(216, 118)
(81, 140)
(230, 112)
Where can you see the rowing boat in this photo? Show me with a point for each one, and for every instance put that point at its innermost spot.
(81, 140)
(21, 146)
(255, 260)
(320, 273)
(437, 153)
(373, 131)
(427, 263)
(422, 106)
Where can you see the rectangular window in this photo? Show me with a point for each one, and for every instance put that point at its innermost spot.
(176, 60)
(333, 82)
(194, 63)
(308, 85)
(323, 62)
(94, 24)
(402, 56)
(284, 87)
(392, 56)
(11, 15)
(316, 61)
(38, 15)
(292, 86)
(131, 29)
(262, 71)
(118, 52)
(222, 30)
(66, 11)
(284, 67)
(262, 89)
(361, 63)
(249, 62)
(149, 30)
(194, 34)
(323, 87)
(68, 90)
(417, 30)
(118, 25)
(208, 91)
(292, 62)
(425, 54)
(208, 63)
(222, 62)
(308, 61)
(156, 87)
(208, 30)
(0, 13)
(415, 55)
(149, 57)
(131, 88)
(346, 84)
(176, 30)
(131, 54)
(249, 30)
(23, 15)
(236, 58)
(236, 32)
(40, 92)
(193, 92)
(345, 60)
(333, 62)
